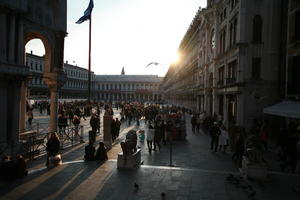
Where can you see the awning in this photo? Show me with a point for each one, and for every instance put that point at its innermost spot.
(289, 109)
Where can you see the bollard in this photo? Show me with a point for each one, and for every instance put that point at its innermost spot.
(81, 134)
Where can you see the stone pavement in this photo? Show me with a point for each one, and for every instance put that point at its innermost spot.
(199, 174)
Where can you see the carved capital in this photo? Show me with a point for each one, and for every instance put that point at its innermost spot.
(55, 80)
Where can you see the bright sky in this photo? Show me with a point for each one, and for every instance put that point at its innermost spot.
(129, 33)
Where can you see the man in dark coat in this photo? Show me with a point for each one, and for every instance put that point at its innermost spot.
(214, 133)
(90, 152)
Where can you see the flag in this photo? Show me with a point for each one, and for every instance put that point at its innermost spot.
(87, 13)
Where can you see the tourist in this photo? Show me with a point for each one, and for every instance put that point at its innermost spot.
(52, 147)
(157, 134)
(214, 133)
(239, 149)
(98, 123)
(89, 152)
(101, 153)
(150, 137)
(198, 123)
(193, 122)
(76, 122)
(71, 115)
(94, 123)
(118, 126)
(223, 139)
(113, 129)
(30, 116)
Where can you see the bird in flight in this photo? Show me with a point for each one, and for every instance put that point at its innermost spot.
(152, 63)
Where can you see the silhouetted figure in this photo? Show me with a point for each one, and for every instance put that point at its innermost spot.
(52, 147)
(89, 152)
(101, 153)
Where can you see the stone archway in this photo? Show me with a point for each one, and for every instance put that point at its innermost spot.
(21, 21)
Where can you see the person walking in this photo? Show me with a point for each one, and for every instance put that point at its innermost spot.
(30, 116)
(150, 137)
(76, 122)
(118, 126)
(157, 135)
(193, 122)
(223, 139)
(214, 133)
(113, 129)
(198, 123)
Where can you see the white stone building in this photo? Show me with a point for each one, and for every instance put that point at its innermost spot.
(142, 88)
(75, 86)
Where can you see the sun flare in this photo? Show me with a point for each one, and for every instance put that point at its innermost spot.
(174, 58)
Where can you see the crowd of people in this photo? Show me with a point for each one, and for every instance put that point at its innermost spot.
(163, 124)
(287, 140)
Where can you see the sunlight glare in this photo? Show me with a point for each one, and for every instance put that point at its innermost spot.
(175, 58)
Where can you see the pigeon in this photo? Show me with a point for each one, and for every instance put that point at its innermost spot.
(163, 195)
(152, 63)
(136, 186)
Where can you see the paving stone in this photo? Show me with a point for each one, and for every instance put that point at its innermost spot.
(199, 175)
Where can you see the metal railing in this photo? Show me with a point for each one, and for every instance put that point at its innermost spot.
(34, 141)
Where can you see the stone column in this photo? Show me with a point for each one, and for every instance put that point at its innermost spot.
(21, 45)
(12, 29)
(12, 114)
(3, 52)
(107, 130)
(22, 106)
(53, 108)
(3, 110)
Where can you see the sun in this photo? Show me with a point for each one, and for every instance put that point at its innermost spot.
(174, 58)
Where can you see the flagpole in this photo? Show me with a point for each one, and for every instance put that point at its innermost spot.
(89, 73)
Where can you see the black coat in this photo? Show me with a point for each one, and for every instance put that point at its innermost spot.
(53, 147)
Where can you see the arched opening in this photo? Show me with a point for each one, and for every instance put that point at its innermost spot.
(34, 91)
(38, 41)
(35, 61)
(257, 29)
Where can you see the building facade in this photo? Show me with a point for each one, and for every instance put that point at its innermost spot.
(231, 57)
(20, 22)
(293, 51)
(142, 88)
(75, 86)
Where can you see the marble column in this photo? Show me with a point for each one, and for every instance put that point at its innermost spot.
(22, 106)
